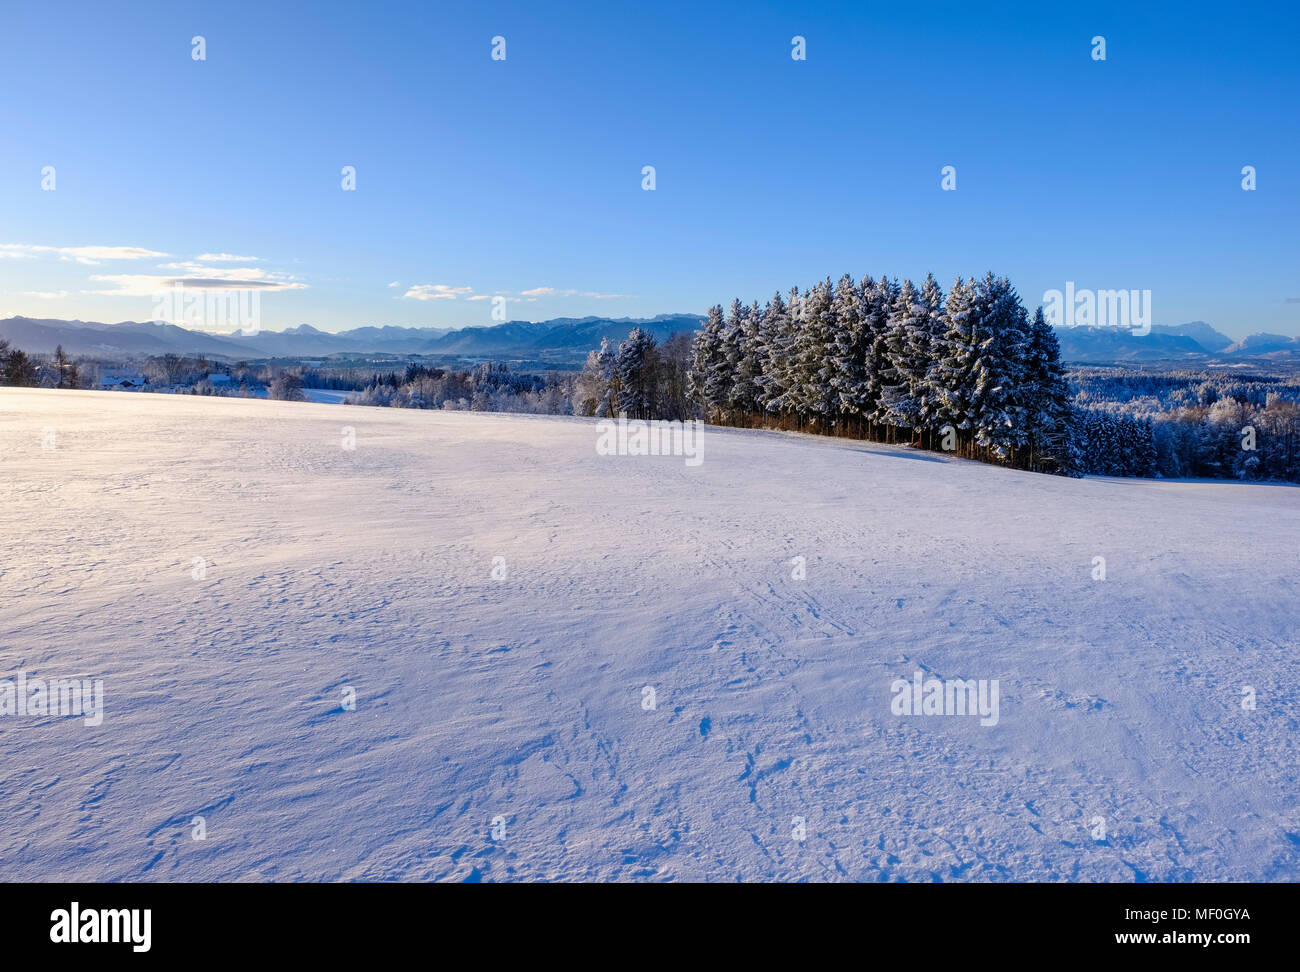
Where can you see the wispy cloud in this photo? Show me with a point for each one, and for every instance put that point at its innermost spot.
(530, 296)
(81, 254)
(194, 274)
(45, 294)
(436, 292)
(194, 269)
(597, 296)
(196, 277)
(551, 292)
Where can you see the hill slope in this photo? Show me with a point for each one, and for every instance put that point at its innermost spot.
(476, 698)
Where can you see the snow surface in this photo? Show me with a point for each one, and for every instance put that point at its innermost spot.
(326, 395)
(522, 698)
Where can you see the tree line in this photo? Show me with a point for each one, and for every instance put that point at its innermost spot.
(488, 387)
(20, 370)
(968, 371)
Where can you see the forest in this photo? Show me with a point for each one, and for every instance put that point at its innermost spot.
(969, 372)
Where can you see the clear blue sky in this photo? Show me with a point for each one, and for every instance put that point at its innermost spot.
(502, 177)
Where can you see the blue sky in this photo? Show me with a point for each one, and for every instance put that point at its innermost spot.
(523, 177)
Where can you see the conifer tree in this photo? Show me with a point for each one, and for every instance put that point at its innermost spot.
(878, 299)
(744, 359)
(707, 382)
(849, 349)
(952, 376)
(813, 366)
(1046, 398)
(906, 359)
(926, 344)
(637, 364)
(1001, 326)
(784, 379)
(774, 335)
(608, 382)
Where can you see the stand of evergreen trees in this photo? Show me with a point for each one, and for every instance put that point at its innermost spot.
(968, 371)
(1115, 445)
(16, 368)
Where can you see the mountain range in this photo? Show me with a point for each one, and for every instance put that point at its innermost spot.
(564, 336)
(563, 339)
(1194, 341)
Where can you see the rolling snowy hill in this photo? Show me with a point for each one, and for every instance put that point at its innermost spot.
(236, 575)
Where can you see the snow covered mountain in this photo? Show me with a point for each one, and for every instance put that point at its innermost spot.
(1200, 332)
(1193, 341)
(349, 643)
(130, 338)
(1266, 344)
(576, 335)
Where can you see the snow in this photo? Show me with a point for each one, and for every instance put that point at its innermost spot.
(521, 698)
(326, 395)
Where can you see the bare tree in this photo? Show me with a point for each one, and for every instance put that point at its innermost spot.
(287, 387)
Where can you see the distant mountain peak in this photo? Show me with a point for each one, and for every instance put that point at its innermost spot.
(1264, 343)
(1200, 332)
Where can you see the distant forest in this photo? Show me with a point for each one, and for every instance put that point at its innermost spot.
(969, 372)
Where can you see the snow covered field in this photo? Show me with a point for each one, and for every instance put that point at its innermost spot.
(230, 571)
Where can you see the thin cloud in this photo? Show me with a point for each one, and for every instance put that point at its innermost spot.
(226, 258)
(597, 296)
(551, 291)
(227, 273)
(436, 292)
(147, 285)
(81, 254)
